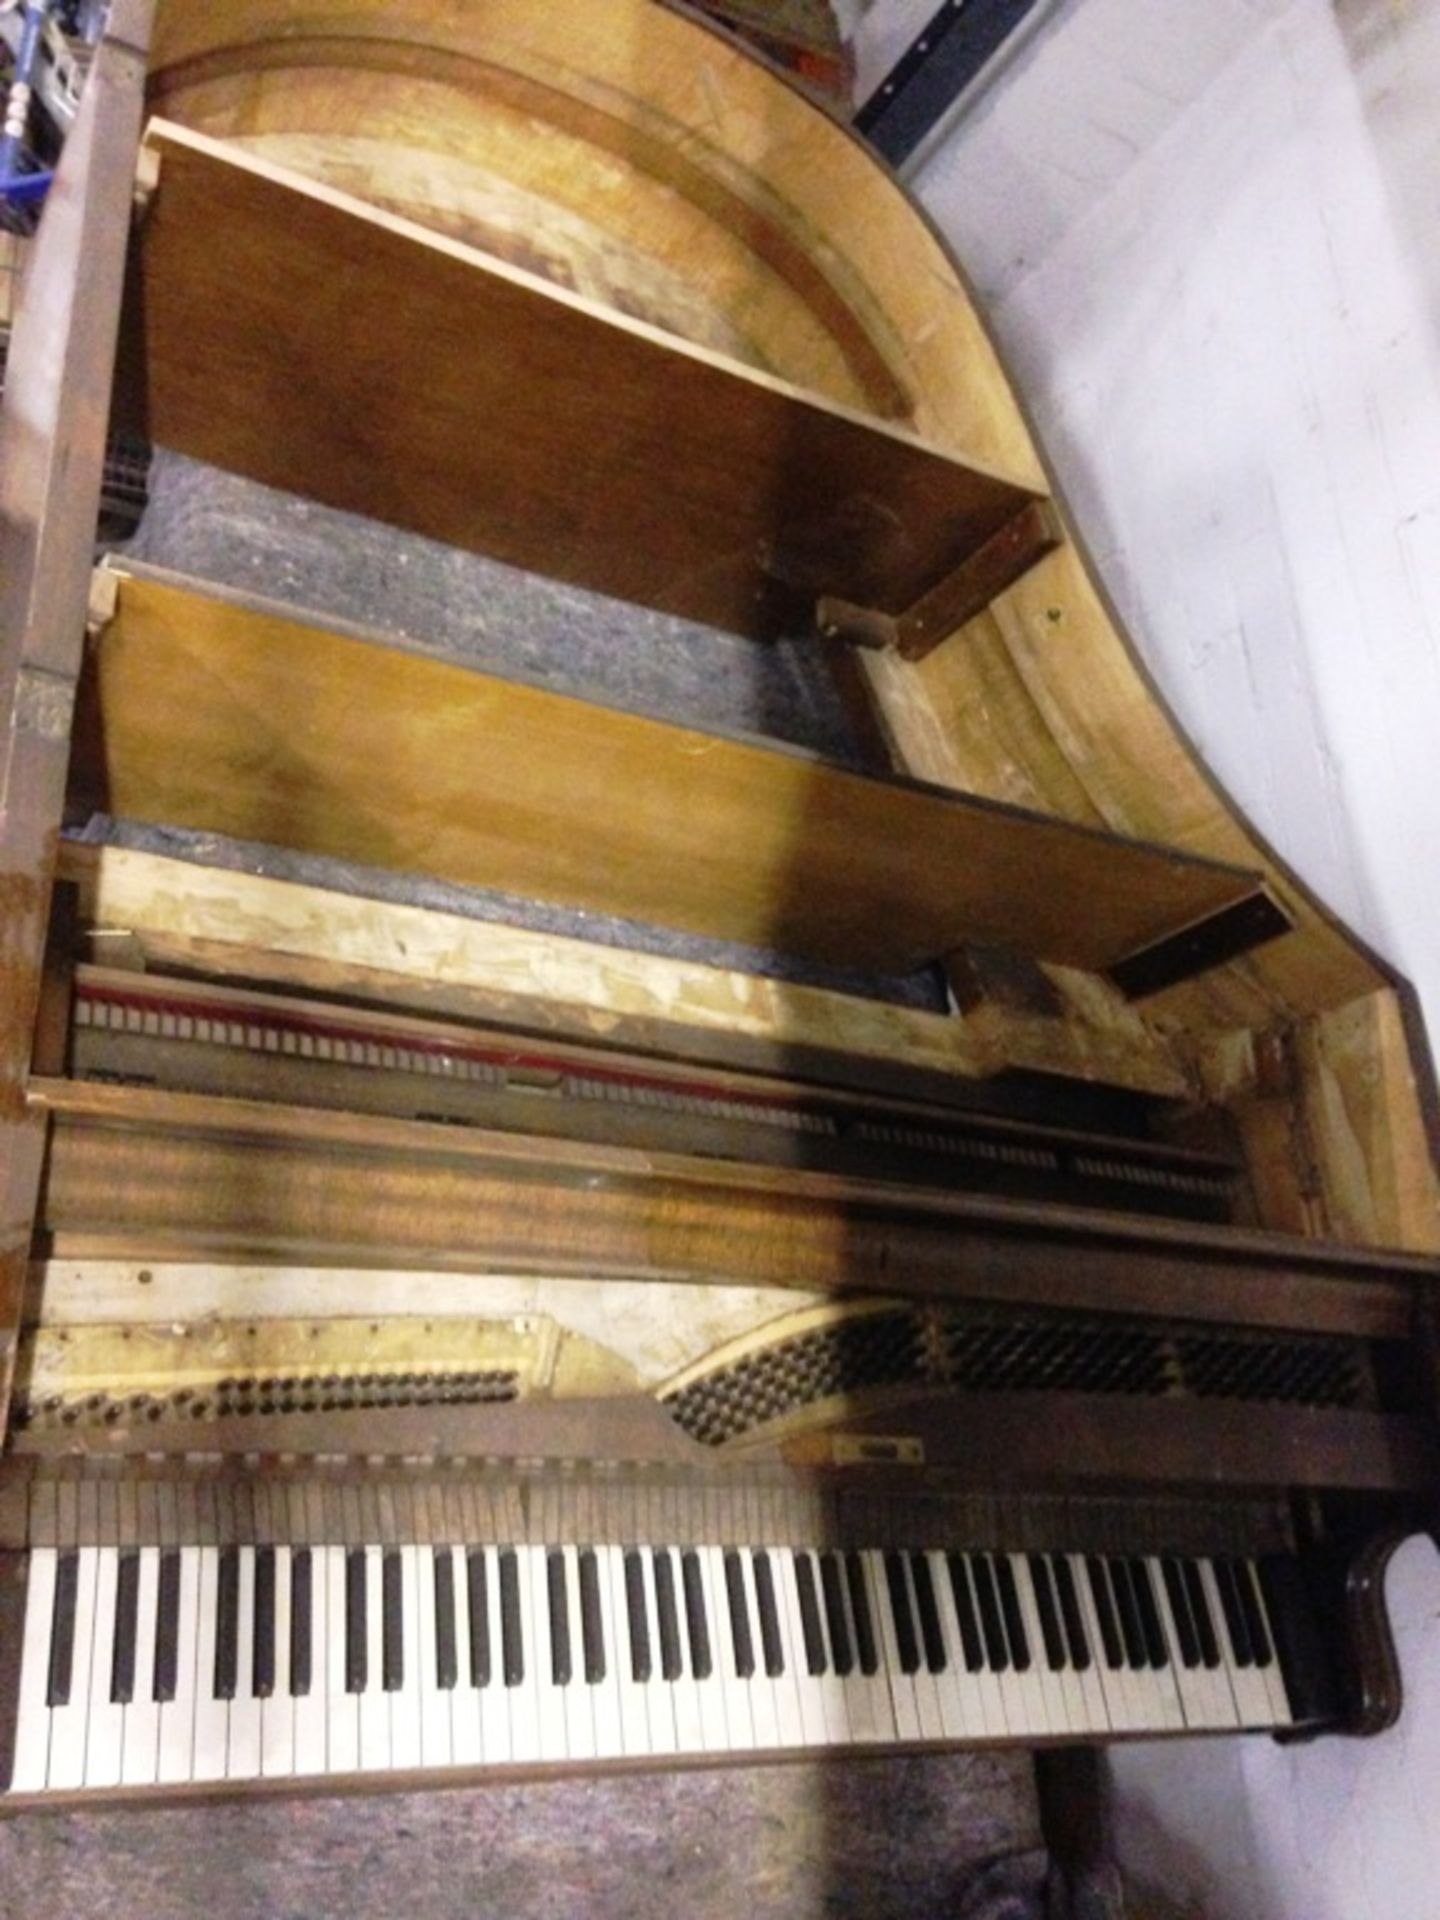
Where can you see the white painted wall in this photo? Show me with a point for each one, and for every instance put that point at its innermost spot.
(1208, 233)
(1207, 237)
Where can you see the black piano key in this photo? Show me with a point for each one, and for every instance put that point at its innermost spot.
(1157, 1650)
(931, 1637)
(167, 1628)
(907, 1642)
(742, 1641)
(1180, 1611)
(392, 1621)
(62, 1631)
(127, 1617)
(972, 1648)
(640, 1660)
(1048, 1609)
(1254, 1617)
(227, 1624)
(302, 1622)
(697, 1620)
(1010, 1610)
(1071, 1615)
(356, 1654)
(997, 1652)
(559, 1601)
(1103, 1596)
(592, 1625)
(811, 1631)
(1301, 1649)
(671, 1667)
(447, 1651)
(477, 1593)
(1234, 1614)
(1200, 1613)
(832, 1591)
(1128, 1610)
(866, 1650)
(262, 1641)
(771, 1644)
(512, 1637)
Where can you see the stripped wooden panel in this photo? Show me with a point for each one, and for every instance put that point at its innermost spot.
(203, 713)
(316, 343)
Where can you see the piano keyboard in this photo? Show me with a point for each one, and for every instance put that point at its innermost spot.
(163, 1666)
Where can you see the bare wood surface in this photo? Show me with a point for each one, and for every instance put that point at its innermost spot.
(135, 1173)
(52, 450)
(208, 715)
(143, 910)
(498, 413)
(952, 602)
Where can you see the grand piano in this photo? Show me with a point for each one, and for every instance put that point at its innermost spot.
(934, 1245)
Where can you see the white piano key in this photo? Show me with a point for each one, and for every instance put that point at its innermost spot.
(436, 1742)
(684, 1693)
(242, 1758)
(1280, 1713)
(32, 1717)
(1048, 1691)
(212, 1716)
(277, 1713)
(872, 1710)
(176, 1756)
(1077, 1705)
(809, 1687)
(311, 1709)
(1028, 1707)
(630, 1693)
(959, 1702)
(68, 1724)
(659, 1692)
(342, 1708)
(761, 1688)
(1247, 1684)
(790, 1721)
(927, 1686)
(579, 1707)
(405, 1702)
(374, 1701)
(509, 1716)
(734, 1688)
(1167, 1688)
(140, 1753)
(714, 1726)
(1092, 1685)
(466, 1742)
(902, 1687)
(605, 1693)
(105, 1725)
(1194, 1684)
(989, 1694)
(549, 1699)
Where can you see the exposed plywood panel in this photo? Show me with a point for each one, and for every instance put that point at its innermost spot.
(226, 718)
(321, 345)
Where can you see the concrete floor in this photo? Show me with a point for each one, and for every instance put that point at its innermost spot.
(948, 1838)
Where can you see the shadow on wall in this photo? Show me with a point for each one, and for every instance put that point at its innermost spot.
(1394, 54)
(1336, 1830)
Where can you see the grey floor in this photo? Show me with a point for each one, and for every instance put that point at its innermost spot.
(948, 1838)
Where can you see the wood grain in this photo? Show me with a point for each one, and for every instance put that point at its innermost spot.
(203, 714)
(495, 412)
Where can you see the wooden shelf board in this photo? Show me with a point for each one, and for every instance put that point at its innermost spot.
(315, 343)
(218, 715)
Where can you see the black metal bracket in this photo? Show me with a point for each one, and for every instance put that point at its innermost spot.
(961, 39)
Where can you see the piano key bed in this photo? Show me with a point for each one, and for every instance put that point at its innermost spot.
(166, 1667)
